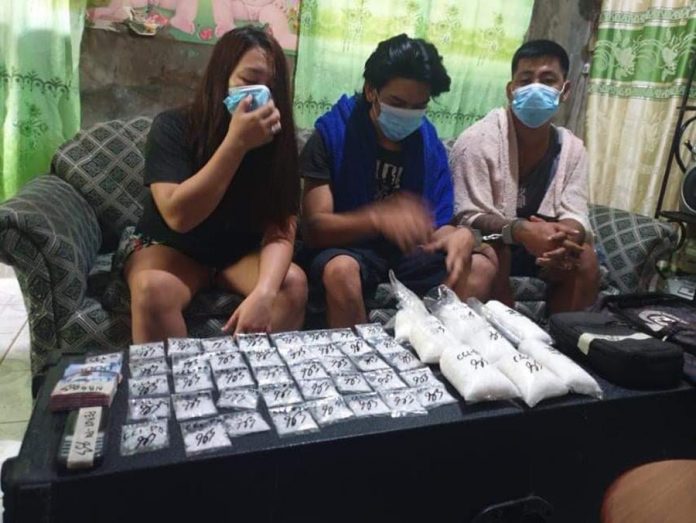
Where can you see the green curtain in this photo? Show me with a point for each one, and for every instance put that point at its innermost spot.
(39, 85)
(639, 68)
(476, 38)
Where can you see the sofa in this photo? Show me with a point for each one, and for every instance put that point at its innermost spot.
(61, 232)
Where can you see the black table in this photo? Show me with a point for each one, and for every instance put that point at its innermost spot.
(446, 466)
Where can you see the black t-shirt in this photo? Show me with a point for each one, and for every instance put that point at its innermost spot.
(223, 237)
(389, 167)
(531, 193)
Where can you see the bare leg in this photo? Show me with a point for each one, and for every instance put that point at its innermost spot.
(575, 290)
(344, 300)
(162, 282)
(478, 278)
(289, 305)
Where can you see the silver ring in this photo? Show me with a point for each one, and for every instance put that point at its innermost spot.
(275, 128)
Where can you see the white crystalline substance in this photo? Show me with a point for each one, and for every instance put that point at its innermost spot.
(574, 376)
(429, 337)
(460, 320)
(402, 324)
(534, 381)
(490, 344)
(473, 377)
(517, 323)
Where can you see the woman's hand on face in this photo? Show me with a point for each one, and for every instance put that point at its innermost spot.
(251, 129)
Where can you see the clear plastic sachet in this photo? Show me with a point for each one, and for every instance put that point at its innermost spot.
(204, 435)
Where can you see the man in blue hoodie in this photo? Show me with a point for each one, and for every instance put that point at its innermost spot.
(378, 189)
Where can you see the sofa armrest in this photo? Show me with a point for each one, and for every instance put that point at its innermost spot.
(51, 236)
(632, 244)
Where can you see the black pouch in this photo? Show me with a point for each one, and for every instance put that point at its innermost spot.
(664, 316)
(617, 351)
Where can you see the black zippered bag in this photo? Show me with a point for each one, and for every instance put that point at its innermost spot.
(616, 351)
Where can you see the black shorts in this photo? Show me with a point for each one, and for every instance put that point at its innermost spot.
(419, 271)
(522, 263)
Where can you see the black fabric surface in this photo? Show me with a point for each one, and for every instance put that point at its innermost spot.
(446, 466)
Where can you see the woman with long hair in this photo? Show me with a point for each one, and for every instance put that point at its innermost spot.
(224, 200)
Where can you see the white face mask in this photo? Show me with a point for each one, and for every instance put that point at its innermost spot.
(397, 123)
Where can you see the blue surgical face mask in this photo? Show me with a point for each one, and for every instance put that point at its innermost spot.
(397, 123)
(260, 95)
(535, 104)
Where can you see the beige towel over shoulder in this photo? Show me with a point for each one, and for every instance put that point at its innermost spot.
(485, 170)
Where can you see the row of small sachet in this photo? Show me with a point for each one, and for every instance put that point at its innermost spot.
(308, 396)
(491, 353)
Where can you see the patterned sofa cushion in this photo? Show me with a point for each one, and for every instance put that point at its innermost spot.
(105, 164)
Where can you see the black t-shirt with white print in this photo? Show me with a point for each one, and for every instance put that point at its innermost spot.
(389, 166)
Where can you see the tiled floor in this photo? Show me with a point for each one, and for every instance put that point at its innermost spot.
(15, 375)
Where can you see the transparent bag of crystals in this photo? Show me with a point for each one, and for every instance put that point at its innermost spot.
(293, 420)
(148, 386)
(431, 396)
(243, 423)
(330, 410)
(317, 388)
(574, 376)
(459, 319)
(403, 402)
(148, 408)
(201, 379)
(287, 340)
(252, 342)
(204, 435)
(367, 405)
(534, 381)
(473, 377)
(245, 398)
(186, 364)
(420, 377)
(178, 346)
(231, 378)
(147, 436)
(371, 331)
(316, 337)
(222, 343)
(293, 355)
(387, 346)
(386, 379)
(146, 351)
(311, 369)
(490, 344)
(272, 375)
(429, 338)
(369, 362)
(403, 361)
(144, 368)
(341, 334)
(338, 365)
(518, 324)
(328, 350)
(264, 358)
(224, 360)
(351, 383)
(355, 348)
(194, 405)
(281, 395)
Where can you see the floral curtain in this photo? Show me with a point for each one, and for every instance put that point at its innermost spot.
(638, 75)
(476, 39)
(39, 91)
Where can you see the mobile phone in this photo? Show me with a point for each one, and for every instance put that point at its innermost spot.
(260, 94)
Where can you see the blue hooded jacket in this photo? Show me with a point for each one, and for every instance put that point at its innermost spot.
(350, 139)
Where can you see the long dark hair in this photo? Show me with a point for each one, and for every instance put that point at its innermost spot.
(268, 177)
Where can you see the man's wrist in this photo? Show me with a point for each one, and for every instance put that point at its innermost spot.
(509, 231)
